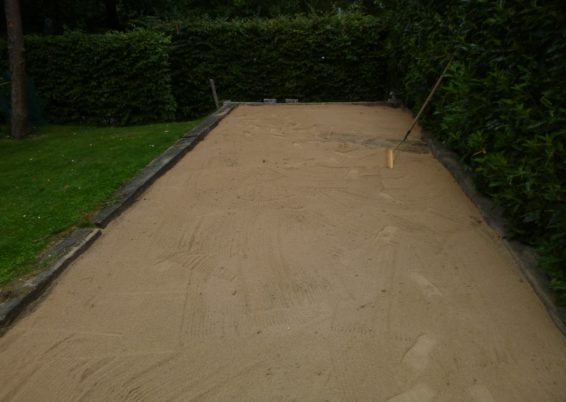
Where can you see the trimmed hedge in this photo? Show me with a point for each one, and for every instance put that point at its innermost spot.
(134, 77)
(115, 78)
(502, 107)
(338, 58)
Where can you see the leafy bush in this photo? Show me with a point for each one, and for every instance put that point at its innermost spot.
(502, 108)
(339, 58)
(116, 78)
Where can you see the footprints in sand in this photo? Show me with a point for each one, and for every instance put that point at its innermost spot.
(389, 198)
(419, 393)
(480, 393)
(387, 235)
(423, 392)
(353, 174)
(427, 288)
(418, 356)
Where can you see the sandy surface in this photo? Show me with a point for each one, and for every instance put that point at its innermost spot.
(280, 261)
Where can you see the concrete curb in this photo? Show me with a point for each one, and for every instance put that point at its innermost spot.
(526, 257)
(65, 252)
(128, 193)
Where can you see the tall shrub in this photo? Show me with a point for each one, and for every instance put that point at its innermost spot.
(338, 58)
(116, 78)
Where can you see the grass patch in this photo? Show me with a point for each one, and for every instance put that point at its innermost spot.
(52, 180)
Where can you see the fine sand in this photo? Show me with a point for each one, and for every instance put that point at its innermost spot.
(281, 261)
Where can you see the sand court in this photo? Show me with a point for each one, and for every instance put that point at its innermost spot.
(281, 261)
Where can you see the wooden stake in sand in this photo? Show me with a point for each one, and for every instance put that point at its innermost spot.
(389, 158)
(424, 105)
(214, 95)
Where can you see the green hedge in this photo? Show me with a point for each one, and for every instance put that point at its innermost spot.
(338, 58)
(116, 78)
(502, 107)
(120, 78)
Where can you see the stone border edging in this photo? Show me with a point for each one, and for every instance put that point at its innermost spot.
(78, 241)
(525, 256)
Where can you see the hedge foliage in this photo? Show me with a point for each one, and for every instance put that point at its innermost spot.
(338, 58)
(502, 107)
(115, 78)
(120, 78)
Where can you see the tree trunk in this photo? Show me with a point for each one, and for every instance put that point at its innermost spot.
(112, 18)
(16, 54)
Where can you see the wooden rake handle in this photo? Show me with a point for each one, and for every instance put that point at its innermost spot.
(426, 102)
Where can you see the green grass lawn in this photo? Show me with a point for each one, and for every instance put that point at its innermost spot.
(52, 180)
